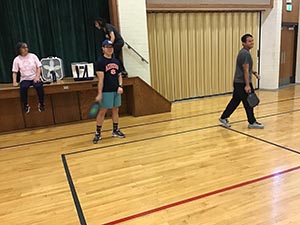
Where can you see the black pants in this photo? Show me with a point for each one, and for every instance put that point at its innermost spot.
(239, 95)
(117, 52)
(25, 84)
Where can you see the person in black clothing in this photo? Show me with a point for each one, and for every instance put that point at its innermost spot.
(242, 85)
(110, 88)
(111, 33)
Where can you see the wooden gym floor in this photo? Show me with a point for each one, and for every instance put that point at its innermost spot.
(175, 168)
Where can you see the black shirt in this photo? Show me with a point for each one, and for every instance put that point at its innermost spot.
(111, 28)
(111, 69)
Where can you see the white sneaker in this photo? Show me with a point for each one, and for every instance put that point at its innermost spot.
(224, 122)
(256, 125)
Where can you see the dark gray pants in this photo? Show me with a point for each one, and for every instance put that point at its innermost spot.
(25, 84)
(239, 95)
(117, 53)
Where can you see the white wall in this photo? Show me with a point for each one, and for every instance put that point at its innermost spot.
(133, 28)
(270, 46)
(298, 56)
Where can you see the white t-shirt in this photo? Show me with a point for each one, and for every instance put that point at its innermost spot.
(27, 65)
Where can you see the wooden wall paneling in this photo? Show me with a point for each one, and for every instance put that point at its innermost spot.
(149, 100)
(69, 101)
(66, 107)
(86, 100)
(35, 118)
(11, 115)
(129, 99)
(123, 110)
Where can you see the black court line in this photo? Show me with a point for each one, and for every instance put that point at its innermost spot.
(73, 191)
(270, 115)
(135, 125)
(263, 140)
(72, 186)
(171, 134)
(140, 140)
(108, 130)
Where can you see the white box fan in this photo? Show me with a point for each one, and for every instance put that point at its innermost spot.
(52, 69)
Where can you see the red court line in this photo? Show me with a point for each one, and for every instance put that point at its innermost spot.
(201, 196)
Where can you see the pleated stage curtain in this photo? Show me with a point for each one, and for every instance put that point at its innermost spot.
(194, 54)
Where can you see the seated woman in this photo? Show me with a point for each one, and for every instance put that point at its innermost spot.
(29, 67)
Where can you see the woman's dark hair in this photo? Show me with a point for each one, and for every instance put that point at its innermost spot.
(244, 37)
(19, 46)
(101, 22)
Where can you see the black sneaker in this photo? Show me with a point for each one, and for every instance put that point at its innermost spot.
(26, 109)
(118, 133)
(41, 107)
(96, 138)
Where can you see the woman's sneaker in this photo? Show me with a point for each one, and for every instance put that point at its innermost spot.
(96, 138)
(26, 109)
(118, 133)
(224, 122)
(41, 107)
(256, 125)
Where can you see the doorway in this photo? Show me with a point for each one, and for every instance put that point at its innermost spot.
(288, 54)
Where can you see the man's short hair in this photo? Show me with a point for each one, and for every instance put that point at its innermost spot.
(245, 36)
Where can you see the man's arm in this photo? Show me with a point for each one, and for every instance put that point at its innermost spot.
(100, 76)
(246, 77)
(120, 80)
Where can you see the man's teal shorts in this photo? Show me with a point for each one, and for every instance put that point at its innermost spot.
(110, 100)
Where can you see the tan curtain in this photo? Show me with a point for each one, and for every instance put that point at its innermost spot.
(193, 54)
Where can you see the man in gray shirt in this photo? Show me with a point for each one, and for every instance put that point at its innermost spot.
(242, 85)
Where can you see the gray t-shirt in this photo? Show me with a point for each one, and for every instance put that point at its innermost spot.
(244, 57)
